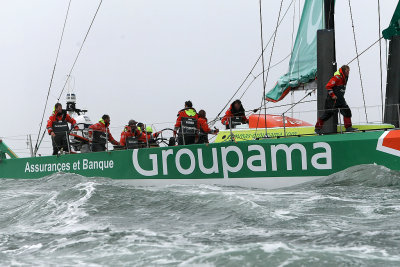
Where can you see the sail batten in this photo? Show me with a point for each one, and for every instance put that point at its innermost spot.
(303, 61)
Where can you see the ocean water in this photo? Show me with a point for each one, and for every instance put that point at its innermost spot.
(350, 218)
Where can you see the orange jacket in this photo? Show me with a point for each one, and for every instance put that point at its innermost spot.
(338, 80)
(128, 132)
(185, 113)
(141, 136)
(203, 126)
(229, 114)
(55, 117)
(101, 127)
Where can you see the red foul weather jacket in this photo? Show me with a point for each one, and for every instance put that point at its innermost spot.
(101, 127)
(229, 114)
(203, 126)
(188, 112)
(338, 81)
(128, 132)
(55, 117)
(141, 136)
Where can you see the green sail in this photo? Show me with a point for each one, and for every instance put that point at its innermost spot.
(303, 62)
(394, 27)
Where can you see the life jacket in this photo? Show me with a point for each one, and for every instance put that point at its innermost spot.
(100, 137)
(343, 81)
(234, 117)
(61, 127)
(189, 123)
(133, 142)
(236, 120)
(337, 84)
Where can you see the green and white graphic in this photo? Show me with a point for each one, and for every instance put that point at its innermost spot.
(303, 62)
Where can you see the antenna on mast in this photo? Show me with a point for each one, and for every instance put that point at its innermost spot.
(71, 98)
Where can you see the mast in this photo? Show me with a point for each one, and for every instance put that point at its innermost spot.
(326, 62)
(392, 99)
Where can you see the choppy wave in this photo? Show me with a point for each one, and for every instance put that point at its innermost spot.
(349, 218)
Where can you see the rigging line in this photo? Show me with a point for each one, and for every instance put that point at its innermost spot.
(263, 99)
(365, 50)
(254, 66)
(358, 61)
(263, 66)
(258, 75)
(52, 75)
(69, 75)
(285, 105)
(298, 61)
(300, 101)
(293, 22)
(294, 18)
(80, 49)
(380, 55)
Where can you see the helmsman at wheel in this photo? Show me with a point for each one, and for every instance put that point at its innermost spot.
(57, 127)
(335, 100)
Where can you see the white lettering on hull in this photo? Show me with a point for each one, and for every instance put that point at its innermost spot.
(260, 157)
(289, 150)
(327, 155)
(153, 158)
(69, 166)
(232, 159)
(225, 165)
(214, 168)
(178, 161)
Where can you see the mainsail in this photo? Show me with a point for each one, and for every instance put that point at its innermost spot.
(303, 62)
(394, 27)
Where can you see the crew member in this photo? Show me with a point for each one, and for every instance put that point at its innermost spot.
(151, 137)
(130, 131)
(235, 115)
(99, 134)
(335, 100)
(186, 125)
(145, 135)
(57, 126)
(204, 130)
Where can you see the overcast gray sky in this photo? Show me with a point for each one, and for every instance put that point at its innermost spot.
(143, 59)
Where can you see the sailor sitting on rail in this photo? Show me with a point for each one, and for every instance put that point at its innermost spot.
(57, 127)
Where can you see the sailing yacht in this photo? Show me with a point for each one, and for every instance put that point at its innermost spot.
(272, 151)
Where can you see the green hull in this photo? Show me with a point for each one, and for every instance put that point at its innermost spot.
(263, 163)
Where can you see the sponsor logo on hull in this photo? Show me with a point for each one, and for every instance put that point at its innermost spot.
(228, 160)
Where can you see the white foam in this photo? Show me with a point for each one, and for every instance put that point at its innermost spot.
(272, 247)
